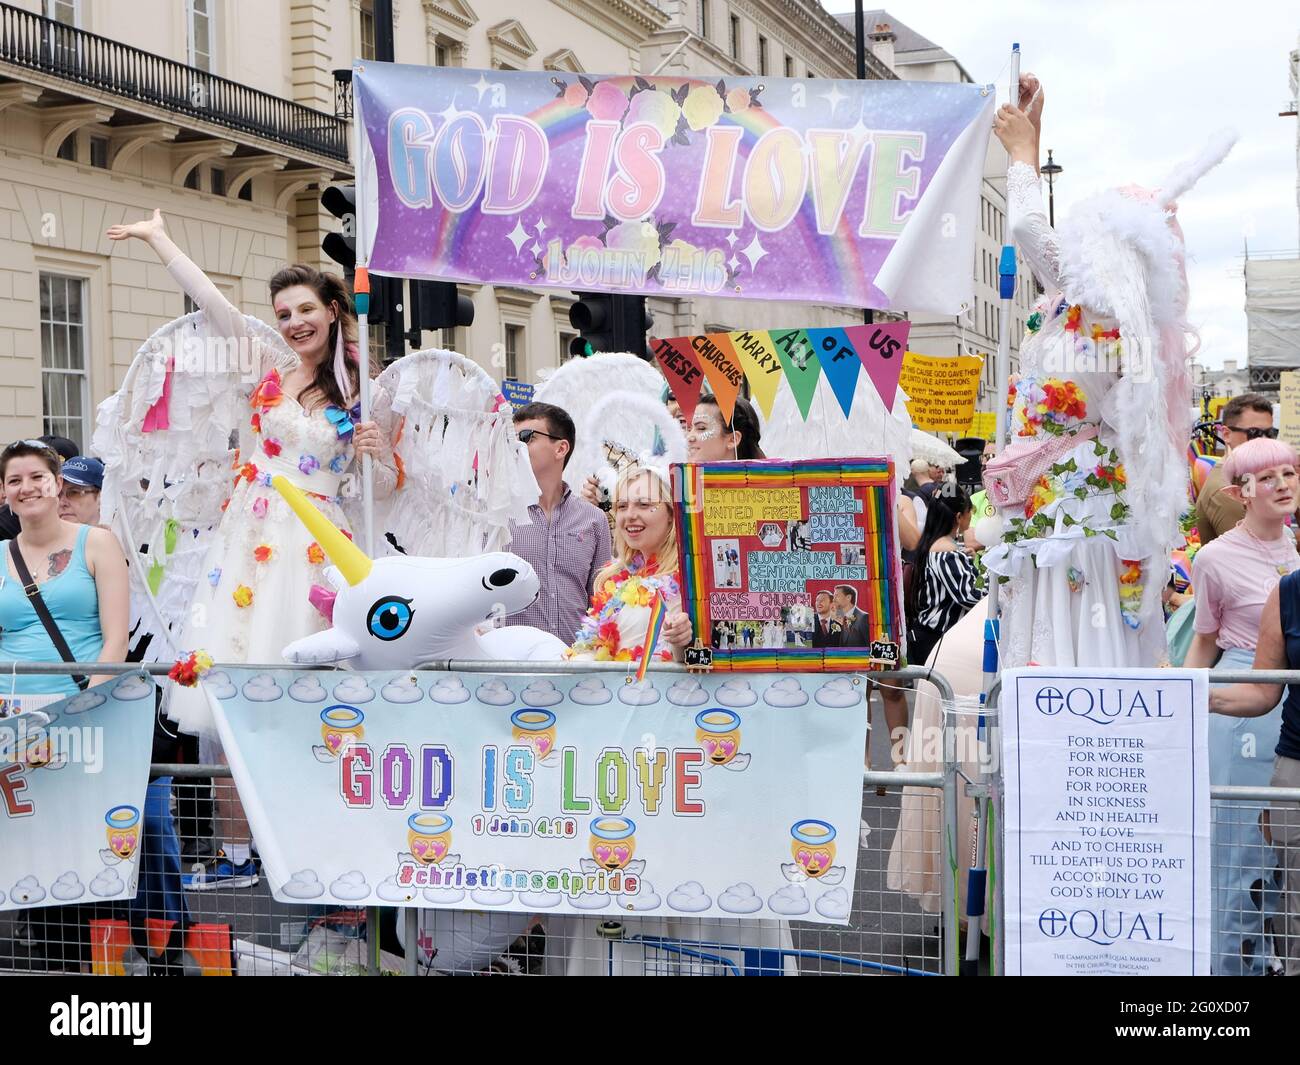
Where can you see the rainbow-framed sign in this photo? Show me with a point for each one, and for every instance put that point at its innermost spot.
(791, 564)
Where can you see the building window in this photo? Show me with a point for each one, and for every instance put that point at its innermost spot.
(440, 55)
(703, 10)
(367, 29)
(217, 179)
(789, 66)
(246, 190)
(566, 339)
(378, 341)
(762, 55)
(68, 149)
(66, 12)
(99, 152)
(514, 345)
(190, 305)
(192, 179)
(65, 387)
(201, 17)
(735, 36)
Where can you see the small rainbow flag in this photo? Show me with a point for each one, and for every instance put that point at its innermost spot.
(658, 612)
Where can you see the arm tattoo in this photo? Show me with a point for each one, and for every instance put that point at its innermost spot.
(59, 561)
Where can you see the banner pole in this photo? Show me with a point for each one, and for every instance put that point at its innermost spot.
(361, 293)
(977, 875)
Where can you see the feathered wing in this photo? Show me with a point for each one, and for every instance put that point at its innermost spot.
(629, 428)
(168, 439)
(464, 475)
(610, 381)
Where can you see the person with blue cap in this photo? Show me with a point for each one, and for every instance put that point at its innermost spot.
(83, 478)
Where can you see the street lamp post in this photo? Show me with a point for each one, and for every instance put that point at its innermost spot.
(1051, 169)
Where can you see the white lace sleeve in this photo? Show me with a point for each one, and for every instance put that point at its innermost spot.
(1029, 226)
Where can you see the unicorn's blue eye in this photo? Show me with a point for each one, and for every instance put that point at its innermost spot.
(390, 617)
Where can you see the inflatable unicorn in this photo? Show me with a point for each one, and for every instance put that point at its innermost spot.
(396, 612)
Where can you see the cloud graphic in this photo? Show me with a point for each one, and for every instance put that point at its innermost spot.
(838, 693)
(401, 690)
(495, 693)
(736, 692)
(490, 897)
(740, 898)
(789, 901)
(445, 895)
(67, 887)
(304, 884)
(391, 891)
(835, 904)
(449, 690)
(540, 900)
(353, 690)
(589, 902)
(134, 687)
(107, 883)
(29, 890)
(351, 886)
(79, 704)
(785, 693)
(645, 899)
(218, 682)
(639, 693)
(687, 692)
(308, 689)
(262, 689)
(541, 692)
(590, 691)
(689, 897)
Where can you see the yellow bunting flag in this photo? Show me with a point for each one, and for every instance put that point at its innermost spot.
(941, 392)
(762, 367)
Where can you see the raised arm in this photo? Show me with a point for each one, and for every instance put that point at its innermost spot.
(1018, 130)
(222, 314)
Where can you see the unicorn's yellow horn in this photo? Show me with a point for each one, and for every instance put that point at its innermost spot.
(347, 556)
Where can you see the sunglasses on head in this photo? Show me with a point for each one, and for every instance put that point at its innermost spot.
(526, 435)
(1253, 434)
(39, 445)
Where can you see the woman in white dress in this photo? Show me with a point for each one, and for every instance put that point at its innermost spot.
(1094, 482)
(253, 596)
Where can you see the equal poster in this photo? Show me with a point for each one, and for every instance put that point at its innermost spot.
(862, 193)
(573, 793)
(791, 564)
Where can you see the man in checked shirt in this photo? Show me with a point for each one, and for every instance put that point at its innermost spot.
(568, 540)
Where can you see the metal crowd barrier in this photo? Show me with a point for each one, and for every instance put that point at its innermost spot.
(888, 934)
(1252, 885)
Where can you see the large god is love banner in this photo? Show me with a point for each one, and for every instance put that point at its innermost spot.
(73, 775)
(846, 192)
(1107, 822)
(726, 797)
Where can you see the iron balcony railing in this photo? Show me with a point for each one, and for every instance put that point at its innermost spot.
(35, 43)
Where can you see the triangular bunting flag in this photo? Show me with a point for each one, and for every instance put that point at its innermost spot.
(840, 363)
(881, 347)
(761, 365)
(685, 378)
(722, 368)
(800, 364)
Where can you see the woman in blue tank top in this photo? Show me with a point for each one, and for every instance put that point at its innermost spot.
(79, 570)
(1278, 648)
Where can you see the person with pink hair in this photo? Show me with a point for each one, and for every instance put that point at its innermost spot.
(1092, 485)
(1234, 576)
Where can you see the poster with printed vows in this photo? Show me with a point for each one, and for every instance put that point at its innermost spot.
(1107, 815)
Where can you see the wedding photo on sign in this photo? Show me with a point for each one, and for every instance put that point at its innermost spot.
(791, 563)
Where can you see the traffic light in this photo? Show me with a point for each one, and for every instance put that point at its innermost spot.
(608, 322)
(436, 305)
(341, 202)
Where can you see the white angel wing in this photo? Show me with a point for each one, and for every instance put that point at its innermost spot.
(635, 868)
(833, 875)
(582, 385)
(738, 764)
(588, 865)
(465, 475)
(165, 478)
(793, 872)
(628, 427)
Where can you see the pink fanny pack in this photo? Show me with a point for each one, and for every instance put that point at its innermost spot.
(1011, 476)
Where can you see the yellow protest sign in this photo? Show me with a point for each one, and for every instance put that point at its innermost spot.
(1290, 407)
(984, 424)
(941, 392)
(737, 511)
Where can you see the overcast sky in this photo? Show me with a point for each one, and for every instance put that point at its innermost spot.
(1132, 87)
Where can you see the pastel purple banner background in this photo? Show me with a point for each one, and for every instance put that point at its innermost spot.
(857, 193)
